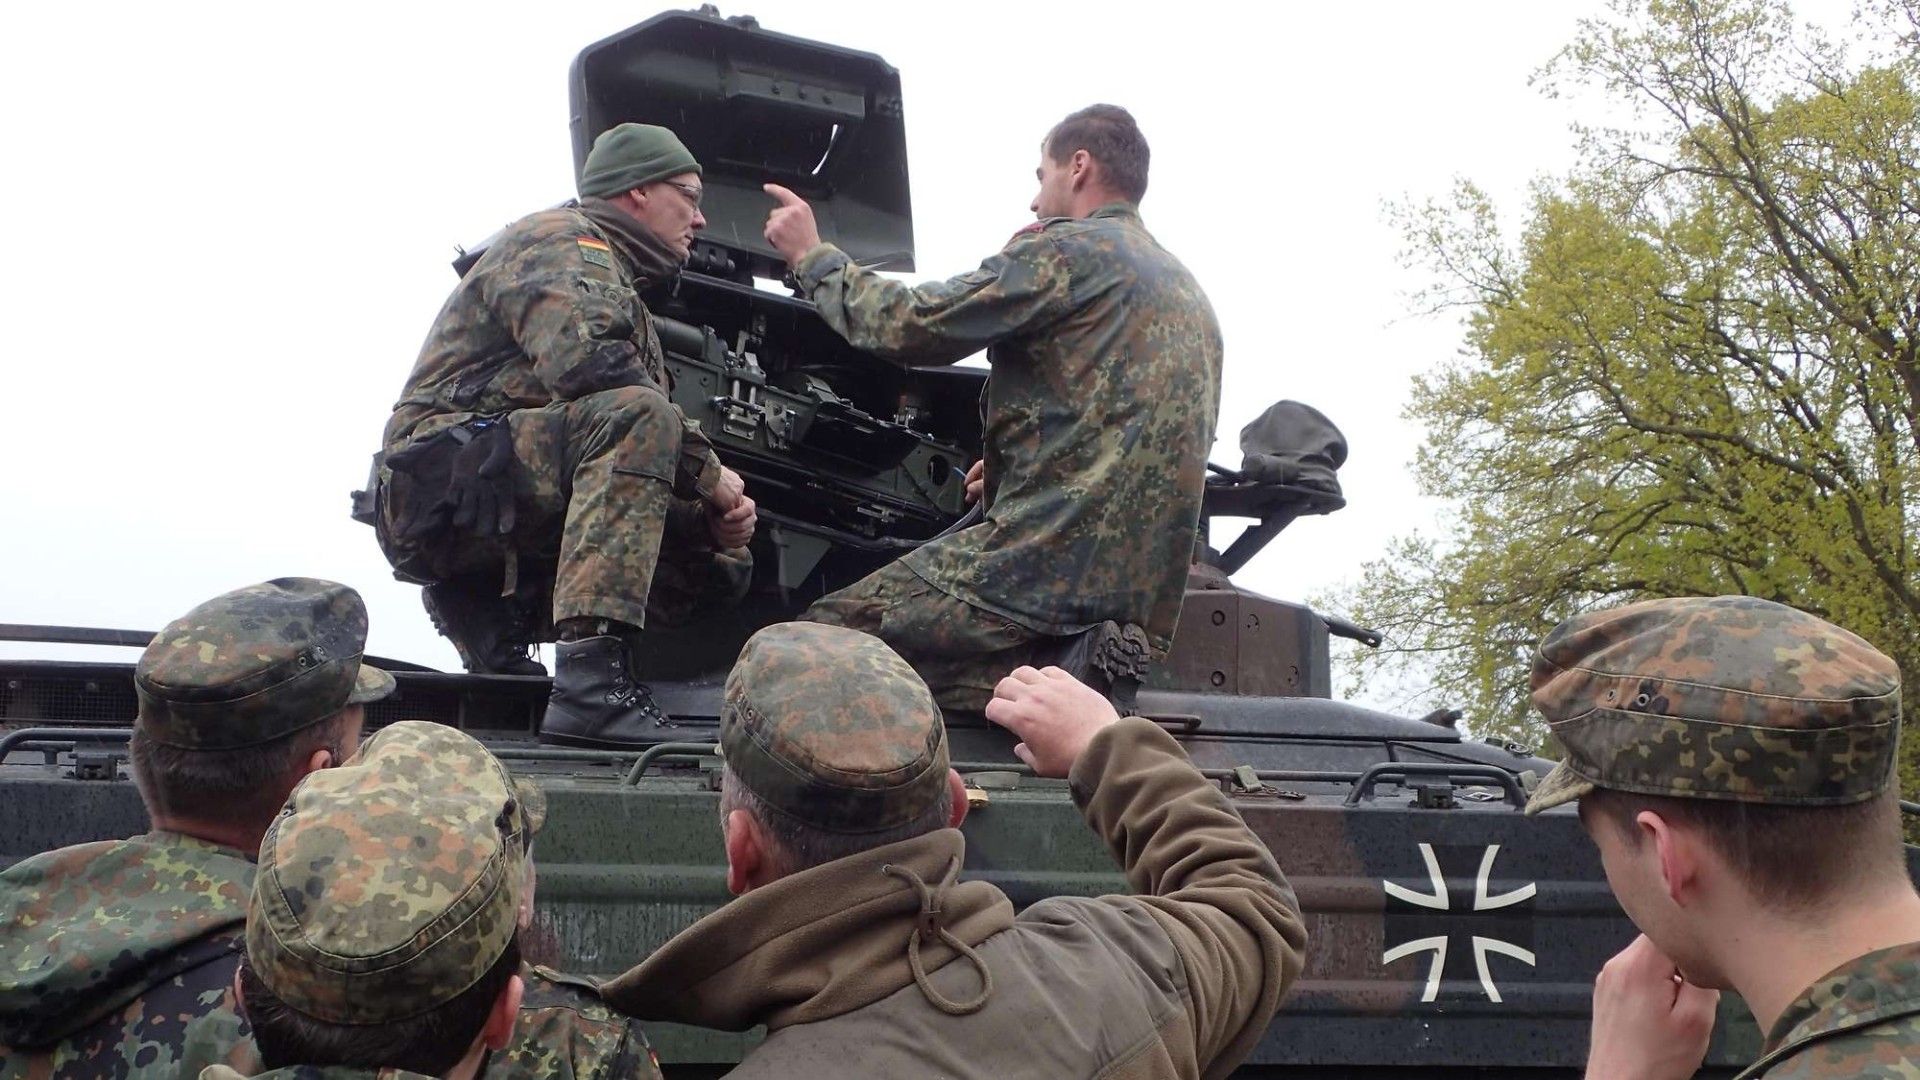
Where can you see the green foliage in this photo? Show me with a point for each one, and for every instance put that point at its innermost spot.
(1694, 371)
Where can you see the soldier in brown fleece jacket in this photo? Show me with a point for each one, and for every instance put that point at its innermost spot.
(853, 942)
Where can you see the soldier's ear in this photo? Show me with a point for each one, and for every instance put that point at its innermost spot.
(506, 1010)
(1678, 853)
(746, 852)
(324, 758)
(1080, 169)
(957, 790)
(239, 994)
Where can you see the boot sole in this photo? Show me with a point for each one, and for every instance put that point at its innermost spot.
(589, 742)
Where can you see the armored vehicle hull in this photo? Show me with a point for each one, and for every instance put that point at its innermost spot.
(1448, 934)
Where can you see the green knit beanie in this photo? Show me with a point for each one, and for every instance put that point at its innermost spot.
(629, 155)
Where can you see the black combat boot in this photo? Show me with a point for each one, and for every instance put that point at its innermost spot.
(595, 700)
(488, 632)
(1112, 658)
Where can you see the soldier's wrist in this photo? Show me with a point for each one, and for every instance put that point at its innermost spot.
(1124, 736)
(698, 475)
(819, 261)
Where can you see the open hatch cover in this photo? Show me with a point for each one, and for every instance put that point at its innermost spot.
(756, 106)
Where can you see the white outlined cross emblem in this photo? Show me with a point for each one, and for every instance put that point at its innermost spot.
(1442, 901)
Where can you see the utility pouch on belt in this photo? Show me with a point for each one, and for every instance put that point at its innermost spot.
(419, 476)
(409, 490)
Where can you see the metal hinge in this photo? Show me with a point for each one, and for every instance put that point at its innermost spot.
(96, 765)
(1245, 782)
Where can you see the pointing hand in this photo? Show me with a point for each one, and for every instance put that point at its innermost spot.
(790, 227)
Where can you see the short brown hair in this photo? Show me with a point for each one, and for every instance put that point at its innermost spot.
(245, 785)
(1108, 134)
(1793, 859)
(431, 1043)
(800, 846)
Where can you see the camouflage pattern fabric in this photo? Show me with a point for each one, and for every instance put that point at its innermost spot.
(693, 577)
(1727, 697)
(1860, 1021)
(1106, 384)
(117, 959)
(565, 1032)
(548, 329)
(833, 728)
(314, 1072)
(595, 485)
(393, 882)
(961, 651)
(256, 664)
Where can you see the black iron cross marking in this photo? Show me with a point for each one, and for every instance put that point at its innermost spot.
(1492, 923)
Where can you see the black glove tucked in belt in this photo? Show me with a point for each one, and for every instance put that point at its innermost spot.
(477, 497)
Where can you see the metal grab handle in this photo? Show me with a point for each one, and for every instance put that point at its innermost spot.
(14, 739)
(1363, 784)
(654, 753)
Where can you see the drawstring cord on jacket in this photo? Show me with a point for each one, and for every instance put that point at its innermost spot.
(929, 926)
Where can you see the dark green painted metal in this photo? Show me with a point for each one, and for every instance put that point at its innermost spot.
(674, 751)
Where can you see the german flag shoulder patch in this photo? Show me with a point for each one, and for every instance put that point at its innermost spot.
(595, 250)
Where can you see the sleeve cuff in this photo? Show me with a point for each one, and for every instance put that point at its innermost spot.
(815, 265)
(1130, 735)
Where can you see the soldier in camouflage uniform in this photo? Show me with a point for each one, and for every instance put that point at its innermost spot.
(858, 948)
(384, 924)
(1734, 763)
(537, 427)
(117, 958)
(564, 1032)
(1106, 385)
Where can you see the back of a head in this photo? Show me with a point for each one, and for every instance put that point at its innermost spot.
(383, 926)
(1109, 135)
(832, 743)
(1767, 730)
(1802, 862)
(236, 693)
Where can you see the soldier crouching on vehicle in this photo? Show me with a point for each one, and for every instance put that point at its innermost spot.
(854, 942)
(536, 440)
(384, 928)
(1098, 417)
(117, 958)
(1735, 763)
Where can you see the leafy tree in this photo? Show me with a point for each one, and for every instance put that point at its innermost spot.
(1693, 372)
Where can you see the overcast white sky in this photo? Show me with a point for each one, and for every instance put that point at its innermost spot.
(230, 225)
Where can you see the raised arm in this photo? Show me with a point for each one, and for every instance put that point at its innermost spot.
(1022, 288)
(1210, 884)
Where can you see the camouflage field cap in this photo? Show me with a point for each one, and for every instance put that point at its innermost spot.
(831, 727)
(390, 884)
(1725, 697)
(256, 664)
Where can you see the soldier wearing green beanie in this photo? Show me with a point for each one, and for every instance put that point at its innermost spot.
(857, 944)
(535, 476)
(119, 956)
(1733, 760)
(632, 156)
